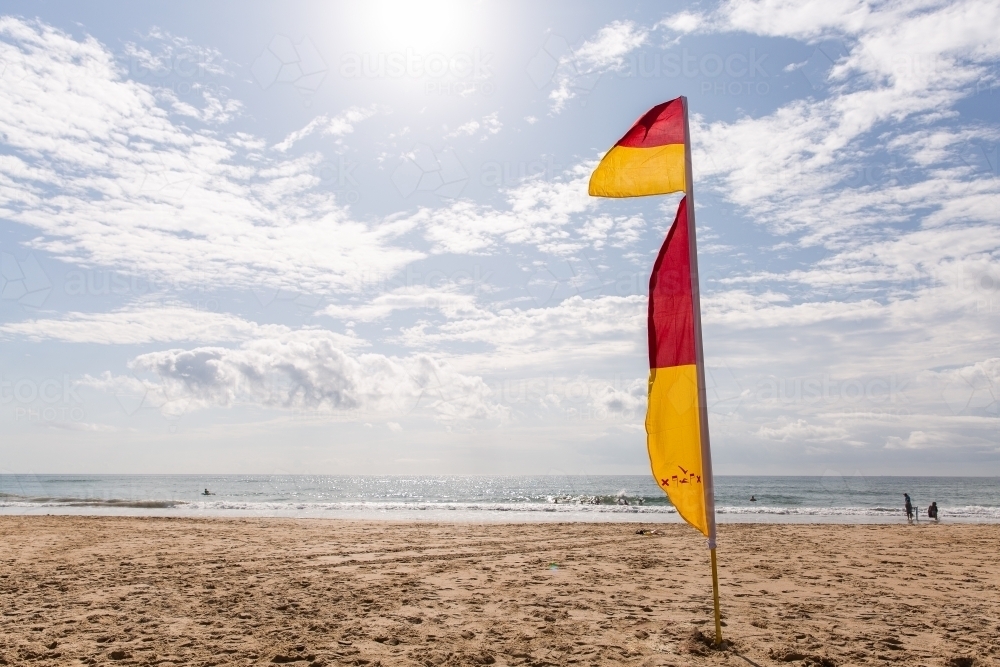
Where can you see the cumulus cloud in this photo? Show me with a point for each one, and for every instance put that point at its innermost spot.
(917, 440)
(629, 399)
(305, 370)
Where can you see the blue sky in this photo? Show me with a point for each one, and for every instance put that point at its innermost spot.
(356, 238)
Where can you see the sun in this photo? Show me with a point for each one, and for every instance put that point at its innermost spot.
(438, 26)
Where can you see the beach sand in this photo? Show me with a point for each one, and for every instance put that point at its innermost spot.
(145, 591)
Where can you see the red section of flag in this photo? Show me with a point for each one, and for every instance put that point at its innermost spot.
(661, 125)
(671, 314)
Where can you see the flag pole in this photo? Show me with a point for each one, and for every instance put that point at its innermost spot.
(706, 450)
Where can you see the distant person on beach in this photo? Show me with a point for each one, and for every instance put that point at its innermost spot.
(932, 511)
(909, 507)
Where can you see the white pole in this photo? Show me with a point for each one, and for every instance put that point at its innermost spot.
(699, 352)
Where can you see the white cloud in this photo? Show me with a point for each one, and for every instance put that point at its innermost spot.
(622, 231)
(684, 21)
(539, 212)
(106, 178)
(215, 110)
(305, 370)
(880, 169)
(336, 126)
(604, 52)
(630, 399)
(449, 302)
(167, 63)
(802, 431)
(917, 440)
(743, 310)
(798, 18)
(143, 325)
(970, 390)
(170, 54)
(792, 169)
(576, 332)
(488, 126)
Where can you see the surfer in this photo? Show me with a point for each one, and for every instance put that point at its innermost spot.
(753, 499)
(206, 492)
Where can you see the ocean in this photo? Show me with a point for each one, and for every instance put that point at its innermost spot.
(632, 498)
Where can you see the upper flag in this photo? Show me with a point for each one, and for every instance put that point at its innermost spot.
(653, 158)
(649, 159)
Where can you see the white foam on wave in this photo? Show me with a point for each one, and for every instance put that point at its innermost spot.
(525, 510)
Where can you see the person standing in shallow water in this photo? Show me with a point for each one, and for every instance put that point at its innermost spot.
(909, 507)
(932, 511)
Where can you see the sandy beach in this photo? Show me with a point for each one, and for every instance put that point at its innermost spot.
(152, 591)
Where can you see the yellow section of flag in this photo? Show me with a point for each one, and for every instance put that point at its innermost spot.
(673, 438)
(636, 172)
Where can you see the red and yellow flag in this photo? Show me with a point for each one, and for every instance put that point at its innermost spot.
(654, 158)
(673, 419)
(649, 159)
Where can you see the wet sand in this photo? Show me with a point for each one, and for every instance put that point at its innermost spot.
(154, 591)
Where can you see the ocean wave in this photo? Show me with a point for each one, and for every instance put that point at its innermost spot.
(223, 506)
(12, 500)
(968, 511)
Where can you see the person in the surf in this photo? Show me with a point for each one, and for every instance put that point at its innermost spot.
(932, 511)
(909, 507)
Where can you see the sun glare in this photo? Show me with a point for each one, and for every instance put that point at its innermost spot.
(439, 26)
